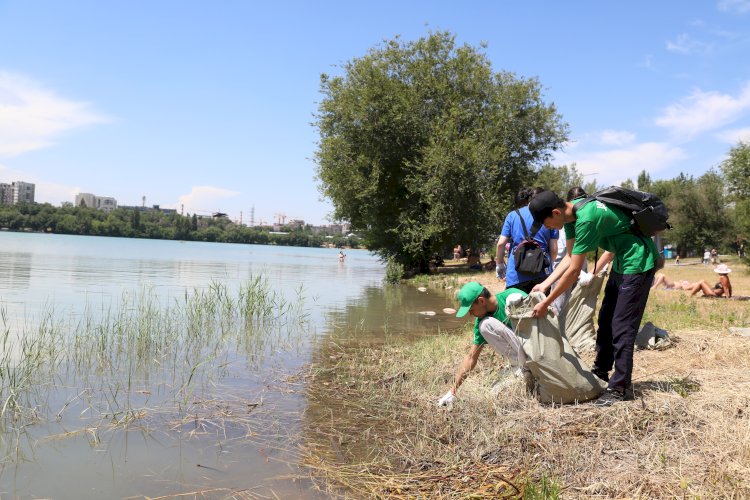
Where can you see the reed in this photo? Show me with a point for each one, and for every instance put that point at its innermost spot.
(143, 359)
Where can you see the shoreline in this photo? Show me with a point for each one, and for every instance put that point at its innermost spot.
(686, 433)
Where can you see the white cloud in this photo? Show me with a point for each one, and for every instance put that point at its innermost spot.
(32, 117)
(616, 137)
(647, 62)
(739, 6)
(686, 45)
(616, 165)
(734, 136)
(203, 199)
(703, 111)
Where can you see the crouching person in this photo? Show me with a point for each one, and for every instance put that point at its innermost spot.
(491, 326)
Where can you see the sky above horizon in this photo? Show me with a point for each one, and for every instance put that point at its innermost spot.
(207, 106)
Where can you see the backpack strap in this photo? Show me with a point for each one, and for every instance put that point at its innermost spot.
(575, 209)
(523, 224)
(582, 203)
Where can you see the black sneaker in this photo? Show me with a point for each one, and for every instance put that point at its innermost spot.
(610, 397)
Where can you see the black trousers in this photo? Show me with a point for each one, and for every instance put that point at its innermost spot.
(625, 297)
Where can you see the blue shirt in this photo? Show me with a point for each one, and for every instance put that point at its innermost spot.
(513, 230)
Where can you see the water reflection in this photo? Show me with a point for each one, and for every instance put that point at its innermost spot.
(202, 406)
(392, 310)
(15, 269)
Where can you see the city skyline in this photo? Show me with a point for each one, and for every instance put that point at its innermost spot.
(209, 106)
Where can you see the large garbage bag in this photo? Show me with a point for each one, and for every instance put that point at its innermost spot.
(578, 313)
(561, 375)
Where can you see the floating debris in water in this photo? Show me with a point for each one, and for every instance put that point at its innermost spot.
(427, 313)
(449, 310)
(422, 288)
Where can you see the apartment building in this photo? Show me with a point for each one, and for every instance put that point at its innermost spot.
(17, 192)
(105, 203)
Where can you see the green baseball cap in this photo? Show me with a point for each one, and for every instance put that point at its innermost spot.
(467, 295)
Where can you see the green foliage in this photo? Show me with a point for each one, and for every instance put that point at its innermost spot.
(543, 489)
(736, 169)
(422, 145)
(697, 210)
(151, 224)
(561, 179)
(644, 181)
(684, 386)
(394, 271)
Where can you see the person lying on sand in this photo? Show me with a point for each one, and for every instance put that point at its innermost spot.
(492, 326)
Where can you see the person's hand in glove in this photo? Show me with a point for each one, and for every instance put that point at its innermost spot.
(448, 399)
(500, 270)
(584, 279)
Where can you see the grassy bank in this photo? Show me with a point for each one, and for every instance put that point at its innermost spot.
(686, 434)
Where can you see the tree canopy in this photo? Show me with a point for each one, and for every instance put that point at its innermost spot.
(422, 145)
(736, 169)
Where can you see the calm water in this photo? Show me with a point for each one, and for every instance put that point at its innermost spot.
(104, 434)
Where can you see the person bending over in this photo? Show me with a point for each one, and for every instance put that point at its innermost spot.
(599, 225)
(491, 326)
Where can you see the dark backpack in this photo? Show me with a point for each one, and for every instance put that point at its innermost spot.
(529, 256)
(648, 214)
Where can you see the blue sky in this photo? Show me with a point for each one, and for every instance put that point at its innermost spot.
(208, 105)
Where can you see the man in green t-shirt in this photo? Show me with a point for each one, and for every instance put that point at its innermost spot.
(599, 225)
(491, 324)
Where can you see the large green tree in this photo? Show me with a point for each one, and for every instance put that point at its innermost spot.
(697, 210)
(422, 145)
(736, 169)
(561, 179)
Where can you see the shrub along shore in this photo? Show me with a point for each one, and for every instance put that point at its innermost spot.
(686, 434)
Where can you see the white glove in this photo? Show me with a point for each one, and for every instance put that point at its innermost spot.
(514, 299)
(446, 400)
(500, 270)
(585, 278)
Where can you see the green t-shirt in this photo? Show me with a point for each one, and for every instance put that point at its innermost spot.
(599, 225)
(499, 314)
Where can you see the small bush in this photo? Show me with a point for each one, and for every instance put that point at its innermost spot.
(394, 271)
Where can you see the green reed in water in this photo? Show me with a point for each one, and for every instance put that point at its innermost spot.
(146, 340)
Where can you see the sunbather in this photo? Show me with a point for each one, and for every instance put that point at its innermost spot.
(661, 280)
(721, 289)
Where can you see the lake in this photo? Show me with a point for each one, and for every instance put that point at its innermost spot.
(136, 368)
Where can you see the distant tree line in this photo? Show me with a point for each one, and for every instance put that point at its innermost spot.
(154, 224)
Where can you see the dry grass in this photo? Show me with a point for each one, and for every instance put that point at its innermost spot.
(374, 429)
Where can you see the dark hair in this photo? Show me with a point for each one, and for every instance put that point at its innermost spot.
(523, 197)
(575, 192)
(537, 190)
(485, 293)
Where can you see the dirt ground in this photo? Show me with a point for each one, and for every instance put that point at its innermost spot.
(687, 434)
